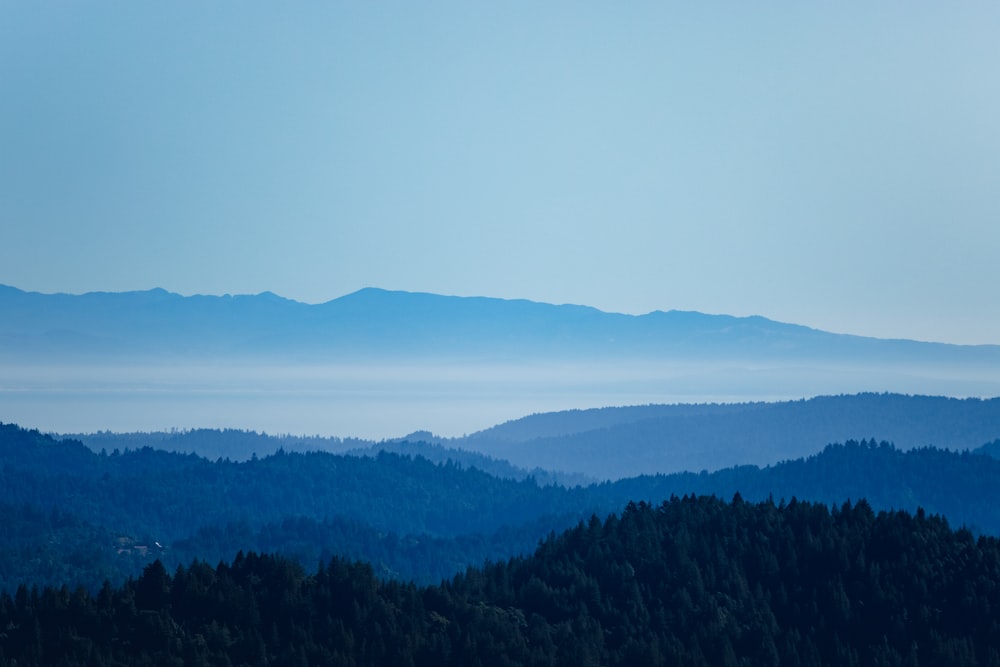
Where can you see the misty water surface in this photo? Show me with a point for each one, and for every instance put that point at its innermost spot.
(384, 401)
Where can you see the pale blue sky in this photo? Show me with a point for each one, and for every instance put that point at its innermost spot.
(831, 164)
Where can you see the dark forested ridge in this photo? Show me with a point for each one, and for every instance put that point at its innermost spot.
(409, 516)
(694, 581)
(74, 516)
(241, 445)
(233, 444)
(167, 493)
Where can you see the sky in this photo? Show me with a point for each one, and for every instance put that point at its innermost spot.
(830, 164)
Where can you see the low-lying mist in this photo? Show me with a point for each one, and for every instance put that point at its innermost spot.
(376, 401)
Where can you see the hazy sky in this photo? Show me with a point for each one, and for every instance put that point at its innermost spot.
(830, 164)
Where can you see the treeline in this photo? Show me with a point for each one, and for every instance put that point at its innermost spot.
(228, 443)
(240, 445)
(693, 581)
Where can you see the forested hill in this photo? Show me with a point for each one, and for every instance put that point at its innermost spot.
(579, 446)
(75, 516)
(167, 495)
(694, 581)
(610, 443)
(241, 445)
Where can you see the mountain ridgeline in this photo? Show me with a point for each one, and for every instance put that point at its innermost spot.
(377, 364)
(374, 324)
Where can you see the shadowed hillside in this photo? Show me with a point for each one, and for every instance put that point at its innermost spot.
(611, 443)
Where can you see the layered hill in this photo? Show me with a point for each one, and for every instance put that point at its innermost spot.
(577, 446)
(76, 516)
(611, 443)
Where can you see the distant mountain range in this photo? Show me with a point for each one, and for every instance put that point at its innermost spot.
(378, 364)
(388, 325)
